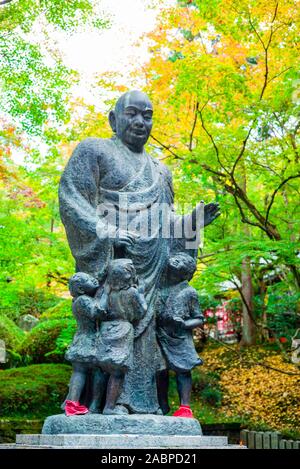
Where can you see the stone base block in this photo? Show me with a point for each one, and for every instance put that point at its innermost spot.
(120, 432)
(135, 424)
(123, 441)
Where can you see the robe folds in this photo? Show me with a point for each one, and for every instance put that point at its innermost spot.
(85, 207)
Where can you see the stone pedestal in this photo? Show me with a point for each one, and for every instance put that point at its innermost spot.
(121, 432)
(97, 424)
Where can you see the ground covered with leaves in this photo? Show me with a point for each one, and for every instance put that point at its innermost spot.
(234, 386)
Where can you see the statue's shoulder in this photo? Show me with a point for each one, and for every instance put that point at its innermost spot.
(92, 145)
(185, 291)
(191, 292)
(163, 169)
(83, 304)
(90, 153)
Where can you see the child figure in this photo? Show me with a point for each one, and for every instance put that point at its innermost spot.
(125, 305)
(81, 352)
(179, 314)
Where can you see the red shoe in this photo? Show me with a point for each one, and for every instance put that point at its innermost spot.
(75, 408)
(184, 411)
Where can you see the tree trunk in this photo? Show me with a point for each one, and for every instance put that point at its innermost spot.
(264, 333)
(248, 326)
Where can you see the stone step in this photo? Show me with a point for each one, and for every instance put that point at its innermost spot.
(119, 441)
(38, 447)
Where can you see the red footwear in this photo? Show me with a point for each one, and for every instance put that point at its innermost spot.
(75, 408)
(184, 411)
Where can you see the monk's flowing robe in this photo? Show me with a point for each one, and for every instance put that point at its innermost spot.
(91, 239)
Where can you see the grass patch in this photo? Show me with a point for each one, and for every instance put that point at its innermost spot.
(33, 391)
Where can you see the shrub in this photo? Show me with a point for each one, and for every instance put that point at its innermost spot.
(212, 396)
(12, 335)
(208, 302)
(14, 303)
(35, 390)
(202, 379)
(206, 386)
(62, 310)
(40, 345)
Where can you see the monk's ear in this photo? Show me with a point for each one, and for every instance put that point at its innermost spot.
(112, 120)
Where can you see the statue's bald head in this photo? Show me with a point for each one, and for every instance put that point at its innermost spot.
(131, 119)
(129, 96)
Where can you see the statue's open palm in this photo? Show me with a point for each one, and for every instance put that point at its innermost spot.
(211, 212)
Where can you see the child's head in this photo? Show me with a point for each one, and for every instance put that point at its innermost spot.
(121, 274)
(181, 267)
(82, 283)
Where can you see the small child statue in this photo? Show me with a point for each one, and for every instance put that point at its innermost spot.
(124, 302)
(81, 352)
(179, 313)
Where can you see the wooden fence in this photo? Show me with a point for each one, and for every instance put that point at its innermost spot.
(267, 440)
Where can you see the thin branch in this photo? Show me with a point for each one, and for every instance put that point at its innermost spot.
(275, 12)
(278, 74)
(246, 220)
(266, 54)
(202, 42)
(275, 192)
(237, 192)
(208, 168)
(268, 168)
(242, 150)
(265, 47)
(255, 31)
(194, 126)
(266, 75)
(211, 139)
(3, 2)
(204, 256)
(209, 135)
(177, 157)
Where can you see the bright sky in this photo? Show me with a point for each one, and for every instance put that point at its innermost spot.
(112, 49)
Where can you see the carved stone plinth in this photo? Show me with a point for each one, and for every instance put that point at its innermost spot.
(97, 424)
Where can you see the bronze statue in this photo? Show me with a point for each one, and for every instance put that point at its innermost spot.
(116, 202)
(178, 314)
(125, 306)
(81, 353)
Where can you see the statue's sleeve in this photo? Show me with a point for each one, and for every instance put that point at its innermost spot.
(195, 310)
(90, 245)
(185, 234)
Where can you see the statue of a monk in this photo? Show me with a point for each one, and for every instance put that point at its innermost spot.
(118, 176)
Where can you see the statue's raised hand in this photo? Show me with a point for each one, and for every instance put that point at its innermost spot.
(211, 212)
(203, 214)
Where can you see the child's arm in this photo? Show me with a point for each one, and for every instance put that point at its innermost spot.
(193, 323)
(90, 307)
(139, 303)
(99, 312)
(196, 316)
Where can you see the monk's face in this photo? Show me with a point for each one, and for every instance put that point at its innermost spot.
(133, 120)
